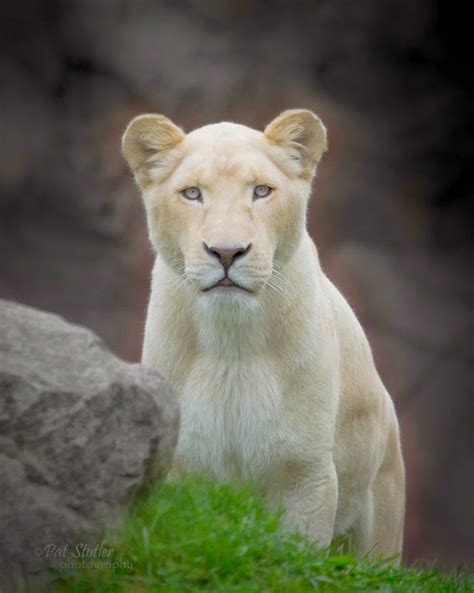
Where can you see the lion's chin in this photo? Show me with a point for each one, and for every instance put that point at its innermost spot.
(228, 291)
(228, 297)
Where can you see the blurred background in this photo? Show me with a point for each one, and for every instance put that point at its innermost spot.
(392, 204)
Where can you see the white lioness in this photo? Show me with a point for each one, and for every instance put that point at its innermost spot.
(273, 371)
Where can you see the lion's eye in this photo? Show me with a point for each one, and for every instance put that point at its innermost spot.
(191, 193)
(262, 191)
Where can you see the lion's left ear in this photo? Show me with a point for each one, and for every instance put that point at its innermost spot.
(301, 136)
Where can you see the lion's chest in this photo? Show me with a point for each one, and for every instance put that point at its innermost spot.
(230, 419)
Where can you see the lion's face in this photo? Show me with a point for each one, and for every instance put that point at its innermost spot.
(225, 204)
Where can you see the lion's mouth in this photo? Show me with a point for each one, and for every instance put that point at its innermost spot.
(226, 282)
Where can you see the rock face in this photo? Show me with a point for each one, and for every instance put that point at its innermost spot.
(81, 432)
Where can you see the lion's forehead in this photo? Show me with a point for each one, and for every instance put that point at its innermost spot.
(209, 165)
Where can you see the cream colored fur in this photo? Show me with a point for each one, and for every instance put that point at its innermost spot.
(276, 383)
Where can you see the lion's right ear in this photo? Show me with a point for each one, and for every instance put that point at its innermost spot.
(149, 144)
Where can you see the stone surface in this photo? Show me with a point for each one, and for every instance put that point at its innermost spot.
(81, 432)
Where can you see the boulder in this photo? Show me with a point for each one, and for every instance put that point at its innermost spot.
(81, 433)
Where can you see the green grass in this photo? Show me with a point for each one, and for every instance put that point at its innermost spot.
(194, 536)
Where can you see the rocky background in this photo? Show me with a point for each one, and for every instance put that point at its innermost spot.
(390, 212)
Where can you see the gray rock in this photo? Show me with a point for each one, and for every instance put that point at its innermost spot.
(81, 433)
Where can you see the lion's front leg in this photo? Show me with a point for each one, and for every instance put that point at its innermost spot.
(309, 498)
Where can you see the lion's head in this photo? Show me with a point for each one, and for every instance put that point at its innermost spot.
(225, 203)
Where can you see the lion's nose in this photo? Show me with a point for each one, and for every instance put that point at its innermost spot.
(226, 254)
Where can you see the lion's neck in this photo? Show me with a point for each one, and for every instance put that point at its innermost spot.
(231, 330)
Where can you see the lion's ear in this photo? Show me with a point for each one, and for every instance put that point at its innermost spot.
(301, 137)
(148, 144)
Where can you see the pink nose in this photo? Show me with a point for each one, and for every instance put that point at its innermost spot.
(227, 255)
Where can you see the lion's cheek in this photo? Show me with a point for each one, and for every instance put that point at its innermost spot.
(284, 227)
